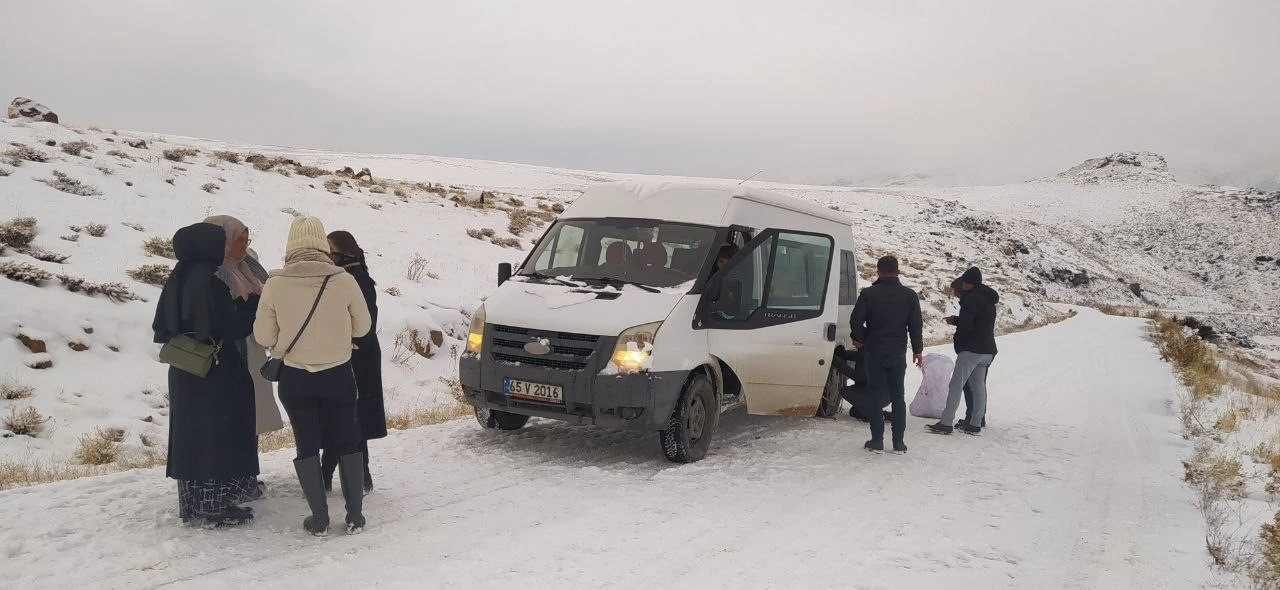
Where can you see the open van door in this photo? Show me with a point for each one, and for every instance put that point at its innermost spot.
(764, 313)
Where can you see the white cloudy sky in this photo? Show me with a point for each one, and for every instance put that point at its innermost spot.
(980, 90)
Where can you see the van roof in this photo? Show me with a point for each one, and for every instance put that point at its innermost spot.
(691, 202)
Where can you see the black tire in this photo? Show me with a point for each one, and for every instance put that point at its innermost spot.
(687, 437)
(829, 406)
(500, 420)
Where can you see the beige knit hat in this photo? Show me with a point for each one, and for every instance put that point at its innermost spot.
(307, 233)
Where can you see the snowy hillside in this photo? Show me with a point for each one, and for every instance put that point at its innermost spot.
(1116, 230)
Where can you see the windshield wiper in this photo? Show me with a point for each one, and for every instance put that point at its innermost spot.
(620, 282)
(547, 277)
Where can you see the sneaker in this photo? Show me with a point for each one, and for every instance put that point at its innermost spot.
(961, 422)
(875, 446)
(900, 447)
(973, 430)
(939, 428)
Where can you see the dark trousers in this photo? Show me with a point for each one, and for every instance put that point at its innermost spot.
(321, 407)
(885, 382)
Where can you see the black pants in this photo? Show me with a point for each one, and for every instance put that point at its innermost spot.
(885, 382)
(321, 407)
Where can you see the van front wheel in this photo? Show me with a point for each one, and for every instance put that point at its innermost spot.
(500, 420)
(688, 434)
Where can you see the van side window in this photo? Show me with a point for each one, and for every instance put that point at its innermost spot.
(784, 274)
(742, 291)
(800, 268)
(848, 278)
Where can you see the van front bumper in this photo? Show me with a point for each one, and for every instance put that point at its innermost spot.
(641, 401)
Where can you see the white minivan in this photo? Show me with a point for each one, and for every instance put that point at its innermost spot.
(626, 314)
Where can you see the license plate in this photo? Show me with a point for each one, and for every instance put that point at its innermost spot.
(534, 391)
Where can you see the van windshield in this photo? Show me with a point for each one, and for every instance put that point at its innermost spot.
(640, 251)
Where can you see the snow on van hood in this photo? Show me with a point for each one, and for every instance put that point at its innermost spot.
(569, 309)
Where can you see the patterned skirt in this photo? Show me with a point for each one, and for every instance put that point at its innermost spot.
(198, 498)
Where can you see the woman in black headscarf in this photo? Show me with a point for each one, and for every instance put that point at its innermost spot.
(211, 420)
(366, 359)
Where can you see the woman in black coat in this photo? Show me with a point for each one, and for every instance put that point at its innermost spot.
(366, 359)
(212, 438)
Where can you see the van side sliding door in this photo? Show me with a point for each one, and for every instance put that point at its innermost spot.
(764, 317)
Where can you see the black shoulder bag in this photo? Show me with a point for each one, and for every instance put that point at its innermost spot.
(271, 370)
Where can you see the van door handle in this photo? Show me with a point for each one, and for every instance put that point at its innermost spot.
(831, 332)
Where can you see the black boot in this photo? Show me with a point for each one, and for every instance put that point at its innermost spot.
(328, 464)
(350, 471)
(875, 446)
(309, 477)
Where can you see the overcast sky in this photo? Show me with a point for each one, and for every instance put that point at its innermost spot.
(807, 90)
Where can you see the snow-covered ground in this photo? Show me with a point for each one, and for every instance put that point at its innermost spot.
(1073, 485)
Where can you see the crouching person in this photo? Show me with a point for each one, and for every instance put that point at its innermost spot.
(309, 312)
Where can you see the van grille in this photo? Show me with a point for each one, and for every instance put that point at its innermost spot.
(567, 352)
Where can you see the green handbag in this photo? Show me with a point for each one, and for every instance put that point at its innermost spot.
(190, 355)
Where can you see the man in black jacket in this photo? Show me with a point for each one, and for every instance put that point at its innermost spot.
(884, 316)
(975, 345)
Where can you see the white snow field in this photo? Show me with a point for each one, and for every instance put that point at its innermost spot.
(1073, 485)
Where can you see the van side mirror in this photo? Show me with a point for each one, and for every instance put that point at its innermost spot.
(504, 272)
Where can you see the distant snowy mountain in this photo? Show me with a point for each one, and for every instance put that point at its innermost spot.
(1117, 229)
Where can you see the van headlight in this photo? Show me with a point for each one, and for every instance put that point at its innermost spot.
(475, 334)
(634, 349)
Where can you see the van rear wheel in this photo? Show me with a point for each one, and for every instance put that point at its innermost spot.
(500, 420)
(688, 434)
(830, 404)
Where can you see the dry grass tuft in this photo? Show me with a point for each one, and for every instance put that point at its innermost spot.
(180, 154)
(32, 472)
(1193, 361)
(276, 440)
(23, 272)
(19, 153)
(311, 171)
(65, 183)
(1229, 421)
(18, 232)
(76, 148)
(392, 291)
(158, 246)
(417, 268)
(99, 447)
(25, 422)
(96, 230)
(10, 391)
(116, 292)
(226, 156)
(508, 243)
(151, 274)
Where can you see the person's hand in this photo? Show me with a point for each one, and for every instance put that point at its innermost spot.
(857, 345)
(918, 359)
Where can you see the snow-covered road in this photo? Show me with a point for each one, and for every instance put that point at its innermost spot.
(1074, 485)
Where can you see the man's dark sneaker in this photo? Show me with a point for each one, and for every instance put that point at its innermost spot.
(961, 422)
(900, 447)
(974, 430)
(939, 428)
(875, 446)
